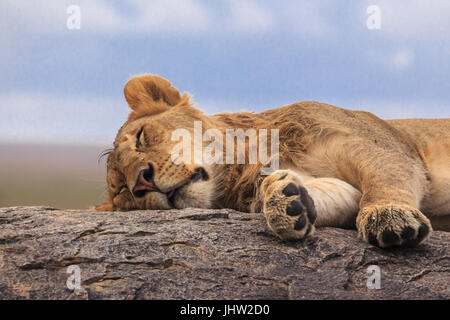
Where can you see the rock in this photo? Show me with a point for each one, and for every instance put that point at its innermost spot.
(202, 254)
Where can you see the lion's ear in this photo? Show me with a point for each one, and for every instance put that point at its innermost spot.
(149, 95)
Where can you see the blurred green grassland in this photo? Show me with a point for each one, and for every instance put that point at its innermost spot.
(65, 177)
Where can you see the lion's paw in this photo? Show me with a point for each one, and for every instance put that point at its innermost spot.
(387, 226)
(289, 210)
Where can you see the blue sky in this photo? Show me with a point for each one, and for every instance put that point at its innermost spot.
(65, 86)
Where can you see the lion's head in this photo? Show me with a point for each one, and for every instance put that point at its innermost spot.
(140, 171)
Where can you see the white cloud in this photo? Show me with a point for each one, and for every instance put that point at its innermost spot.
(181, 16)
(100, 16)
(186, 17)
(250, 16)
(26, 16)
(416, 19)
(310, 18)
(403, 59)
(394, 60)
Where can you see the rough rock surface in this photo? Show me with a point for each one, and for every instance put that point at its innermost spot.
(202, 254)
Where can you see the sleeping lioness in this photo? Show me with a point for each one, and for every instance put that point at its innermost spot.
(337, 167)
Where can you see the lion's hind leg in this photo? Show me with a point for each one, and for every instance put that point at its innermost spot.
(436, 202)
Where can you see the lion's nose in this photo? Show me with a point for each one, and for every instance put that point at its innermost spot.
(148, 174)
(145, 182)
(200, 174)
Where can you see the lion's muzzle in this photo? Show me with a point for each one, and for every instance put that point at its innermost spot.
(145, 183)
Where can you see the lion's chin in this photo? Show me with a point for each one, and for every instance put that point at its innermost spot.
(195, 195)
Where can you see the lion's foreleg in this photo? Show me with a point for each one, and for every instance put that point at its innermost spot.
(392, 180)
(336, 202)
(292, 203)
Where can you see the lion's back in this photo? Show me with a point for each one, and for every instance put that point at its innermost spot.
(423, 131)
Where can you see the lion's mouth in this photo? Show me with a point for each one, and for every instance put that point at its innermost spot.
(171, 196)
(144, 185)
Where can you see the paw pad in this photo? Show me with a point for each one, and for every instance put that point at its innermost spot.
(309, 205)
(390, 238)
(421, 234)
(289, 210)
(407, 233)
(423, 231)
(300, 223)
(290, 190)
(295, 208)
(390, 226)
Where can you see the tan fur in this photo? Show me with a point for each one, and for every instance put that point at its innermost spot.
(343, 168)
(336, 201)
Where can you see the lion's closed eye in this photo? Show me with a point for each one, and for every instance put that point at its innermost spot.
(139, 138)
